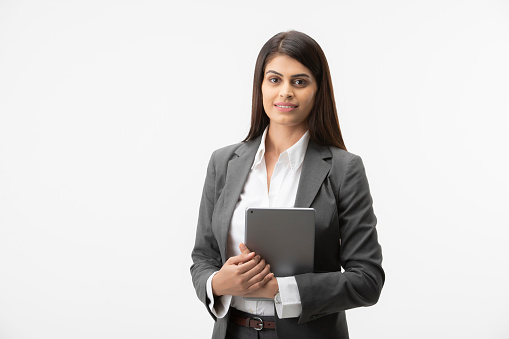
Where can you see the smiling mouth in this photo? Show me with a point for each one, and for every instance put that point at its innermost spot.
(285, 107)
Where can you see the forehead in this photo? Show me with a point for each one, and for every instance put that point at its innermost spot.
(286, 65)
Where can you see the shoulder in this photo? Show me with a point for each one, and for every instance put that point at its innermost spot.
(224, 154)
(248, 148)
(342, 158)
(345, 164)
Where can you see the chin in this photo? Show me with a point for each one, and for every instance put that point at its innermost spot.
(287, 123)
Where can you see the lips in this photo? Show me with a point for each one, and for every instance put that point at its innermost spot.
(285, 105)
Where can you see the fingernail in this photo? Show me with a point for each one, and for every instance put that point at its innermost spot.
(242, 246)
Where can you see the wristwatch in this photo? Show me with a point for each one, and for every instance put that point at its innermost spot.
(277, 298)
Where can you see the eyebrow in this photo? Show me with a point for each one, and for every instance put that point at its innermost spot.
(292, 76)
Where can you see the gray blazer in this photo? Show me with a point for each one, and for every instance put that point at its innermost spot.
(334, 183)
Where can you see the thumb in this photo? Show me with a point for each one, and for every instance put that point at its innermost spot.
(241, 258)
(243, 248)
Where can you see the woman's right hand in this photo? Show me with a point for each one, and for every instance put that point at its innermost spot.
(240, 275)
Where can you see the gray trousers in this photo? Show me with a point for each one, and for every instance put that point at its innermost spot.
(235, 331)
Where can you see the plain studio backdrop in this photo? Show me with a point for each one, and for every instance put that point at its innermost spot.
(109, 111)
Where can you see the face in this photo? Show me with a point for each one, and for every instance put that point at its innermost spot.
(288, 91)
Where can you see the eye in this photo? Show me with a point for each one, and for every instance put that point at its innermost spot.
(274, 80)
(300, 82)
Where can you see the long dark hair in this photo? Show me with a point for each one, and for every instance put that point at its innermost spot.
(323, 120)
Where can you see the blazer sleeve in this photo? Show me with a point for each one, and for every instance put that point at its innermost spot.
(361, 282)
(206, 255)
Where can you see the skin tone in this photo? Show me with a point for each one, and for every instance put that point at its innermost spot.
(245, 275)
(242, 275)
(289, 82)
(288, 91)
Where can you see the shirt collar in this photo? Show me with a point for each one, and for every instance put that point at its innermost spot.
(260, 153)
(296, 152)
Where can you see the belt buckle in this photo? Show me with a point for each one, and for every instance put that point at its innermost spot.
(261, 323)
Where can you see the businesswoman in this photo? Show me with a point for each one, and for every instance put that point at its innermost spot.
(293, 156)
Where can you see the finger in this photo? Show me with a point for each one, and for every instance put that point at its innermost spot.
(240, 258)
(256, 269)
(260, 284)
(260, 276)
(248, 266)
(243, 248)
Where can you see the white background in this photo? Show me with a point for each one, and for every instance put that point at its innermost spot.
(109, 111)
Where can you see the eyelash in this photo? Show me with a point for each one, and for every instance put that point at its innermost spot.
(303, 82)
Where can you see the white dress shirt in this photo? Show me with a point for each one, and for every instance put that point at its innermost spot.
(282, 193)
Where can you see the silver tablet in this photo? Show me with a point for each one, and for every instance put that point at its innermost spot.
(284, 237)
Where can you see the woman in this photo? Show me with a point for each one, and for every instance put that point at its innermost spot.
(293, 156)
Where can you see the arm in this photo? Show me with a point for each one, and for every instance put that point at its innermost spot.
(239, 275)
(360, 254)
(206, 256)
(289, 305)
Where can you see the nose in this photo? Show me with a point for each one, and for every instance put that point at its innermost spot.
(286, 91)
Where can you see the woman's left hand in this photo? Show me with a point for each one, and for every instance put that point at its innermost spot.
(268, 290)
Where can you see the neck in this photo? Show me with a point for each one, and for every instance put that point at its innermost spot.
(280, 138)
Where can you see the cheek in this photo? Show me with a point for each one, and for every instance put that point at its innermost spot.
(265, 99)
(310, 100)
(266, 92)
(267, 96)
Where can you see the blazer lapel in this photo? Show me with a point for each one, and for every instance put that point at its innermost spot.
(314, 172)
(236, 175)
